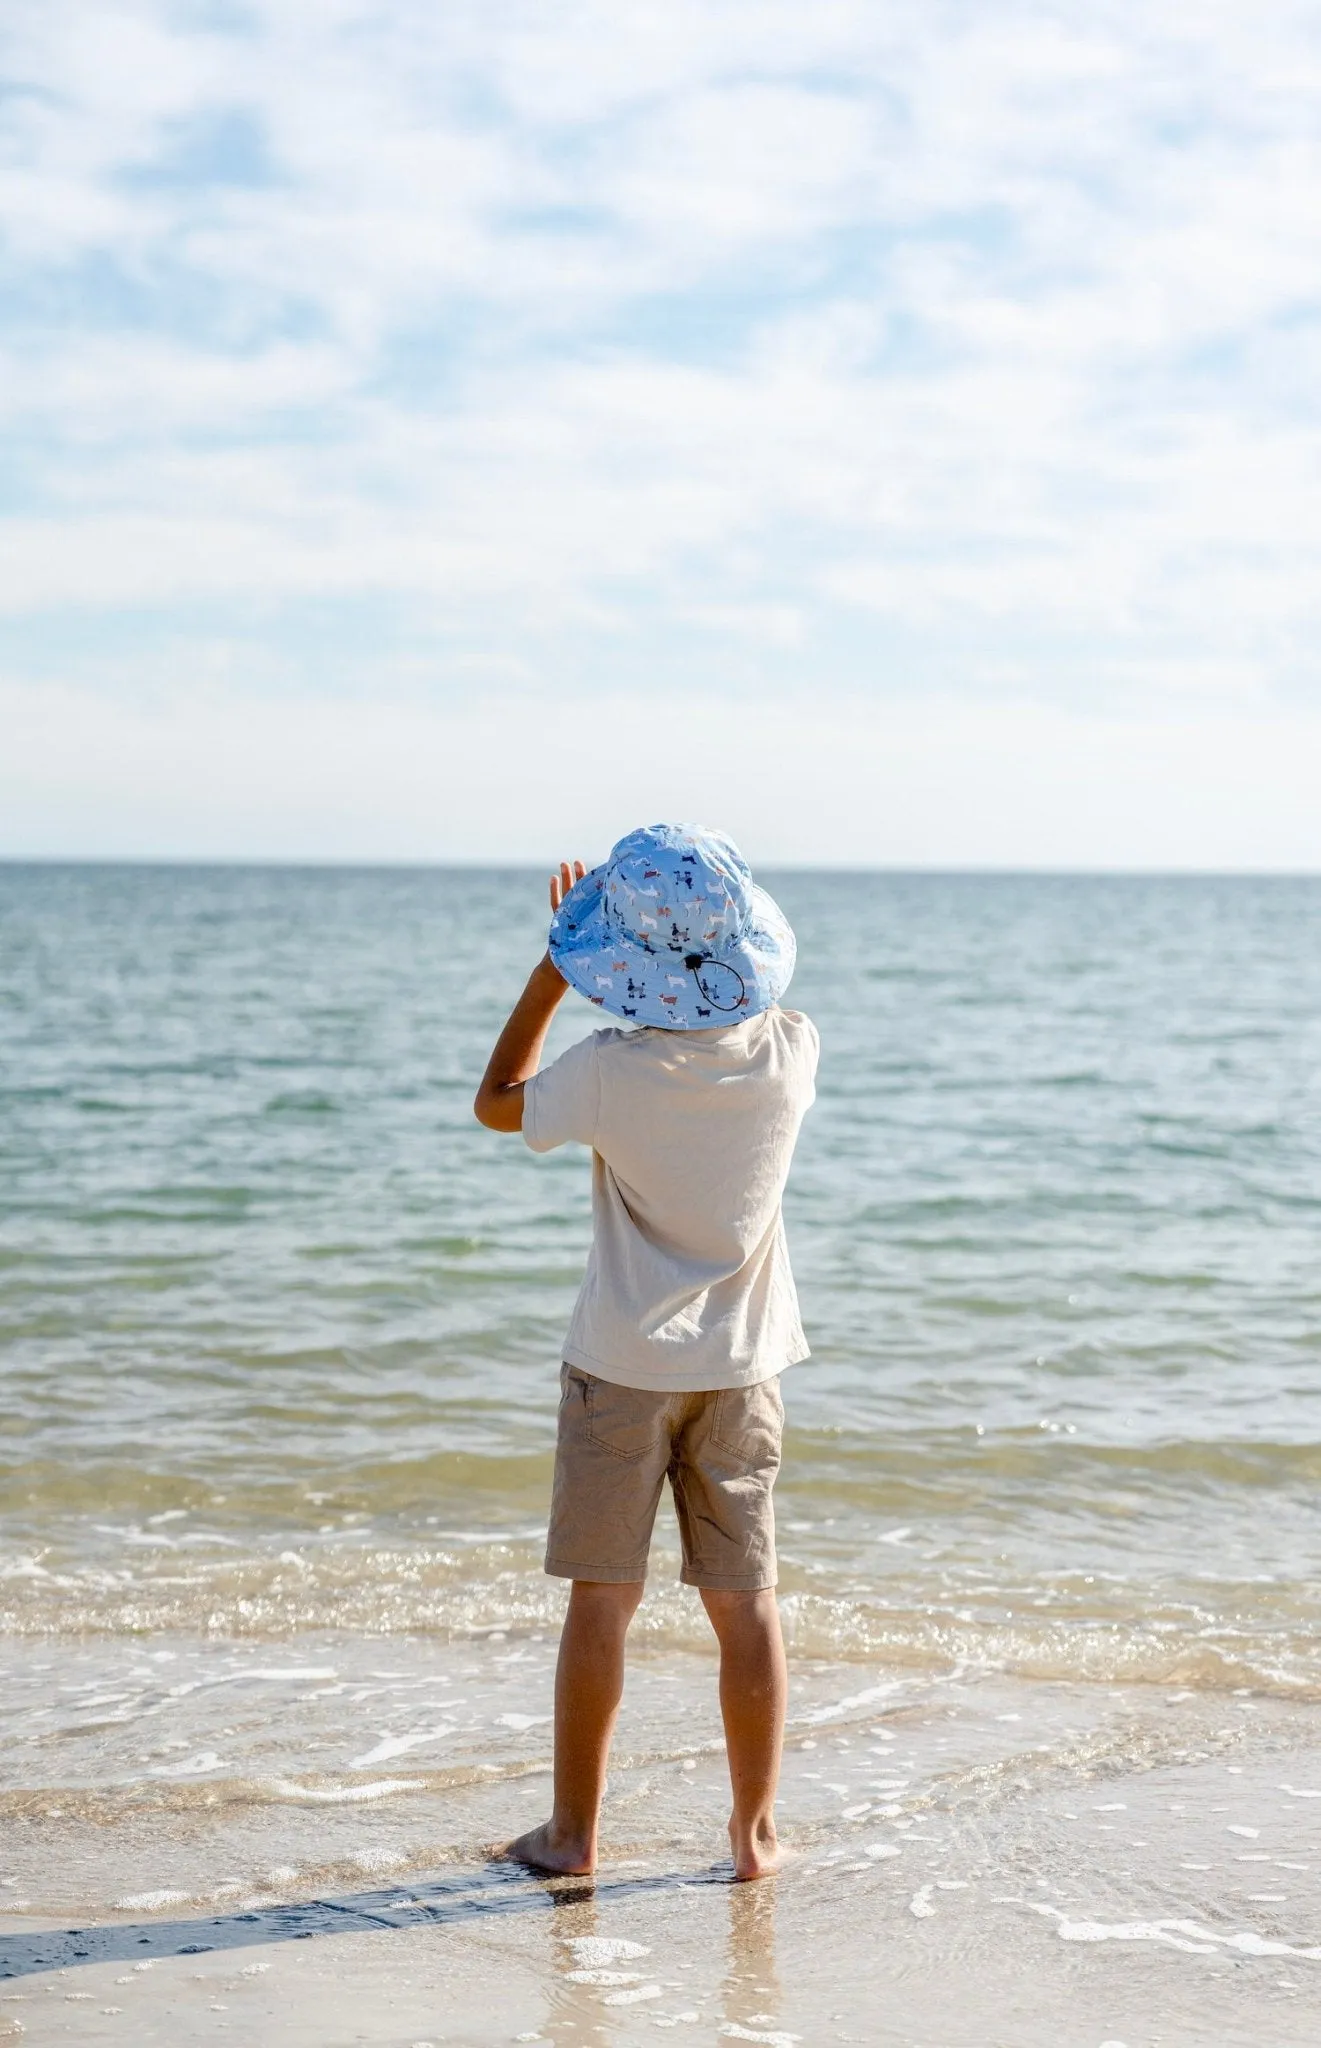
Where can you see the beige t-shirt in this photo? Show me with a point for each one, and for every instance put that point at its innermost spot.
(688, 1284)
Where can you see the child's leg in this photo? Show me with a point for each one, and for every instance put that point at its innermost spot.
(589, 1683)
(754, 1686)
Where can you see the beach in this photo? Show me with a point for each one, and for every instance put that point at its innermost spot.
(977, 1861)
(280, 1333)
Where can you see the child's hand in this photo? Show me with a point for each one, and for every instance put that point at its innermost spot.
(561, 884)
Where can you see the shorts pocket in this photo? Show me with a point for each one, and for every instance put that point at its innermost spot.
(748, 1422)
(626, 1420)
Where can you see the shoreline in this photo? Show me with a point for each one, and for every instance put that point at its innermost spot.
(980, 1863)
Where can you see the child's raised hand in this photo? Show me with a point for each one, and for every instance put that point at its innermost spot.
(561, 884)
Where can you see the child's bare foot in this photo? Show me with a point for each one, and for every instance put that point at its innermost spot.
(548, 1848)
(756, 1851)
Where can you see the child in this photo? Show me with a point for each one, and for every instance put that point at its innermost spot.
(687, 1313)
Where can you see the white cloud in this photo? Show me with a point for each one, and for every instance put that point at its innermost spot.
(879, 350)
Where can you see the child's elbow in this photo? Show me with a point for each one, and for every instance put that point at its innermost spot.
(499, 1109)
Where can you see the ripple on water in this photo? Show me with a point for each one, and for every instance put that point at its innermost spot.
(1053, 1220)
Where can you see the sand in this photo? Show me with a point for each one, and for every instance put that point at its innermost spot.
(979, 1865)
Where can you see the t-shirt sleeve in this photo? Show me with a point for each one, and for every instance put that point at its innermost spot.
(561, 1104)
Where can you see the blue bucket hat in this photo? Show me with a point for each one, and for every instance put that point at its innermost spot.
(673, 931)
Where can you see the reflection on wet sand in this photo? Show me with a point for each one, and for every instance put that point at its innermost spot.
(750, 1995)
(599, 1980)
(572, 2004)
(592, 1971)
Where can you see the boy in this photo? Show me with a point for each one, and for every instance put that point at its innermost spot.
(687, 1313)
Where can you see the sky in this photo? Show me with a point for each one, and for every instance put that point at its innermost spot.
(890, 431)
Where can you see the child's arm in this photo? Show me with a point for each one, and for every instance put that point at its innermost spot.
(517, 1054)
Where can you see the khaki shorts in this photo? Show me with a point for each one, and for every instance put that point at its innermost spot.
(617, 1445)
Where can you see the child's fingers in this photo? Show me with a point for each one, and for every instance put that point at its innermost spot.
(561, 884)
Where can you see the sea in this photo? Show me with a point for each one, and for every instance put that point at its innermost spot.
(279, 1349)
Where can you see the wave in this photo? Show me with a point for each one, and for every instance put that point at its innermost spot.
(107, 1805)
(1206, 1637)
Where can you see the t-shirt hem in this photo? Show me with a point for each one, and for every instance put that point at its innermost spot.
(671, 1381)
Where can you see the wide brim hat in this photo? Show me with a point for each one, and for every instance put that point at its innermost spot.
(672, 931)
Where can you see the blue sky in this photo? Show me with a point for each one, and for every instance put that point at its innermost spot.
(891, 431)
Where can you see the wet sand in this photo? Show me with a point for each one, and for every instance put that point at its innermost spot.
(979, 1862)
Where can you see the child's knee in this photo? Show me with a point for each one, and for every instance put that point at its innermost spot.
(606, 1601)
(738, 1608)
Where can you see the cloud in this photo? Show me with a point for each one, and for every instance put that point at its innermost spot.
(933, 348)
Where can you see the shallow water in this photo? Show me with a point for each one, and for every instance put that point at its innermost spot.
(280, 1332)
(281, 1323)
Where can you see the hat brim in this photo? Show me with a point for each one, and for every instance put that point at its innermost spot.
(647, 981)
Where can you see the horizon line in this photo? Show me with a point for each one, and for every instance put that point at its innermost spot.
(326, 864)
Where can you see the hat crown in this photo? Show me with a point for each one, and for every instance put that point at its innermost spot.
(672, 932)
(673, 889)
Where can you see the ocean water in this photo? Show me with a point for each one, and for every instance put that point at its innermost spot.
(280, 1326)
